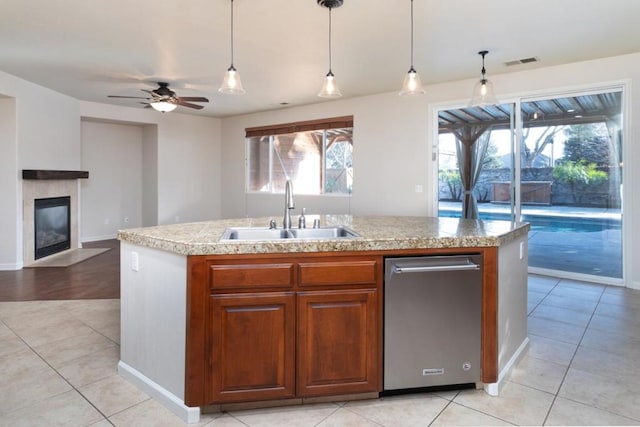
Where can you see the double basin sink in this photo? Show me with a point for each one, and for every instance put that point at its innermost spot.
(264, 233)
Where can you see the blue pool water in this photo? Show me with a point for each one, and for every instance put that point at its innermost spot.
(551, 223)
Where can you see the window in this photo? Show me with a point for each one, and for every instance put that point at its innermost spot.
(316, 156)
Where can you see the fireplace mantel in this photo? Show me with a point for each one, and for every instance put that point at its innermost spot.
(40, 174)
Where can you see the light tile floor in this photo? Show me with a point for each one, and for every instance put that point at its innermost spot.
(58, 367)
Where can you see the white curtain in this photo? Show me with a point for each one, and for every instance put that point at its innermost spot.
(471, 147)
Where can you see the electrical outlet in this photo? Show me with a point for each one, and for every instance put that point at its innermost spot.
(106, 221)
(177, 218)
(126, 220)
(521, 250)
(418, 188)
(135, 261)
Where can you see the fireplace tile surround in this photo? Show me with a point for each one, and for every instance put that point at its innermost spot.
(40, 184)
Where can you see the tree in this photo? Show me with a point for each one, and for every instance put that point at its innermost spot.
(452, 179)
(491, 159)
(587, 142)
(530, 152)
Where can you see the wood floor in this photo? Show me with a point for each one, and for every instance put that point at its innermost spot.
(95, 278)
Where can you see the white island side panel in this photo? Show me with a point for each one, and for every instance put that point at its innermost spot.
(153, 315)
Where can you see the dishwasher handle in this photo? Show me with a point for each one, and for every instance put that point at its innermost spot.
(431, 268)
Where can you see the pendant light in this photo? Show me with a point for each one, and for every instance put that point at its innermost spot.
(412, 84)
(231, 84)
(329, 87)
(483, 90)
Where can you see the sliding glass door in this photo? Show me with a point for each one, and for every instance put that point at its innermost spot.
(573, 146)
(555, 162)
(476, 167)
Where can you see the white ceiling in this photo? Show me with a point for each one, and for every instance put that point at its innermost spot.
(89, 49)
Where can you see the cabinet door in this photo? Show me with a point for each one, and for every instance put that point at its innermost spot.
(337, 342)
(252, 347)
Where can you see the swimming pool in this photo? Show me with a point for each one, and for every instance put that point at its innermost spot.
(552, 223)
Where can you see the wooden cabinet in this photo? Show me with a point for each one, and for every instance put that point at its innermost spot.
(337, 342)
(283, 326)
(252, 351)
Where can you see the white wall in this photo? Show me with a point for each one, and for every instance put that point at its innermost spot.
(150, 175)
(393, 139)
(112, 196)
(10, 208)
(47, 136)
(188, 169)
(188, 161)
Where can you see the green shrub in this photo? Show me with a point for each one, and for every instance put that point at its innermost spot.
(579, 176)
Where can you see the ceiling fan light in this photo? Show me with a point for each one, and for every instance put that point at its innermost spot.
(231, 84)
(412, 84)
(163, 106)
(329, 87)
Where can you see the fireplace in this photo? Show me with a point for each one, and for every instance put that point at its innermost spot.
(52, 225)
(49, 184)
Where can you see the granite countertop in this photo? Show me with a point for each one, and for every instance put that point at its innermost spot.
(377, 233)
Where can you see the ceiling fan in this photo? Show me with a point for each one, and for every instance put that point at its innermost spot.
(164, 99)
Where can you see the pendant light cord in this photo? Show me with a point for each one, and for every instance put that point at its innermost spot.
(412, 34)
(232, 33)
(483, 71)
(330, 40)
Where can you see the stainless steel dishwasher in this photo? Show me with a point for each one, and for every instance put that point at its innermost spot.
(432, 310)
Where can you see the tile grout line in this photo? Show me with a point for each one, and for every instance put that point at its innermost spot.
(59, 374)
(564, 377)
(449, 402)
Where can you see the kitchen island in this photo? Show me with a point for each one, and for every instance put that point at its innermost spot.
(208, 323)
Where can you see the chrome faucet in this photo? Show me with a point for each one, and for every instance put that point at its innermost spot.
(288, 205)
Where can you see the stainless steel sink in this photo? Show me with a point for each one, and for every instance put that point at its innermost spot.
(323, 233)
(255, 233)
(263, 233)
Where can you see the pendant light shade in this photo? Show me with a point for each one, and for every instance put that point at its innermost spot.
(412, 84)
(231, 84)
(329, 87)
(163, 106)
(483, 90)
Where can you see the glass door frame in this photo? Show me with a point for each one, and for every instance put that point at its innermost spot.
(516, 151)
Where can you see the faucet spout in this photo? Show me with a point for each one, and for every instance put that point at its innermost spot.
(288, 205)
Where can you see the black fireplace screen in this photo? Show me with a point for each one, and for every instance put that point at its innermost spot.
(52, 225)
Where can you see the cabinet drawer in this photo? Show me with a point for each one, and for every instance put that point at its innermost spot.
(354, 272)
(256, 276)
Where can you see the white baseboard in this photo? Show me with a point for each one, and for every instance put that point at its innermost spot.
(162, 395)
(11, 267)
(493, 389)
(97, 238)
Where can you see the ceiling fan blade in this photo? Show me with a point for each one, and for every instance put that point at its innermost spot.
(130, 97)
(188, 105)
(193, 99)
